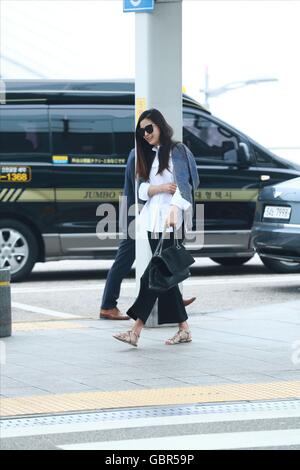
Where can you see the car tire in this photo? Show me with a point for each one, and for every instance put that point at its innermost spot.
(18, 248)
(283, 267)
(232, 261)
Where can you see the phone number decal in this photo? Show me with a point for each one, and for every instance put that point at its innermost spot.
(15, 174)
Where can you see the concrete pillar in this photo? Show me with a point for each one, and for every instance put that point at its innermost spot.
(158, 84)
(5, 303)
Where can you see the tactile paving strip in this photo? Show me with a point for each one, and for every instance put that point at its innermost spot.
(61, 403)
(154, 412)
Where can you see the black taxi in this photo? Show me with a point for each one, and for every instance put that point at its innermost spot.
(63, 152)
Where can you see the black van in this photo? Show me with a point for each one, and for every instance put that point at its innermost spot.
(63, 151)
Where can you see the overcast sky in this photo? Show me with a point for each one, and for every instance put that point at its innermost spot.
(236, 39)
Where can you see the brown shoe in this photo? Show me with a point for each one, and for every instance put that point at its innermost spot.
(112, 314)
(187, 302)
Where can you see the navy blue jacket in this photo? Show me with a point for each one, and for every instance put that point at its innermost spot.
(129, 185)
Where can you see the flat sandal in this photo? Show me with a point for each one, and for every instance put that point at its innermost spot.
(129, 337)
(182, 336)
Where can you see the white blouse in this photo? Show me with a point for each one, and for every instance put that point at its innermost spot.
(157, 207)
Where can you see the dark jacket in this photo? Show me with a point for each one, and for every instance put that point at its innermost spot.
(129, 192)
(129, 185)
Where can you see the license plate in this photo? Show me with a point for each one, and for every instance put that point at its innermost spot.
(277, 212)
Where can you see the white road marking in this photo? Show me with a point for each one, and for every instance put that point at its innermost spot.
(43, 311)
(286, 279)
(230, 440)
(36, 430)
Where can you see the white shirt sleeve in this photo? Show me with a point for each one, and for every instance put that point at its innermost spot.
(143, 191)
(179, 201)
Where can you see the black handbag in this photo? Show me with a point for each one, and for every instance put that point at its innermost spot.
(170, 266)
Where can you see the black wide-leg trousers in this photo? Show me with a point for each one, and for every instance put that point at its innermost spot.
(170, 303)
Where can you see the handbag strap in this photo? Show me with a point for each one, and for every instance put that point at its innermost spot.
(160, 243)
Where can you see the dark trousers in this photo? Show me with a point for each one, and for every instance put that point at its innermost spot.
(170, 304)
(121, 267)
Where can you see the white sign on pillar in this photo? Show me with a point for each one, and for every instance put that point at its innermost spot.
(158, 84)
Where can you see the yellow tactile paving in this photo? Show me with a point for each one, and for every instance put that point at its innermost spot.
(152, 397)
(46, 325)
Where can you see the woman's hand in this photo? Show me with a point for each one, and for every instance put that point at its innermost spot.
(168, 188)
(172, 218)
(161, 188)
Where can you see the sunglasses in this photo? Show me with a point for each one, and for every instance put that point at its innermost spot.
(149, 129)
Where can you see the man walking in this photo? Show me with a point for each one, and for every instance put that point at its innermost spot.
(125, 254)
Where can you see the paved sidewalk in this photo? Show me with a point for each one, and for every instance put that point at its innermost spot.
(56, 360)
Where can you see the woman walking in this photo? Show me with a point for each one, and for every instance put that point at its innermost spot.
(168, 177)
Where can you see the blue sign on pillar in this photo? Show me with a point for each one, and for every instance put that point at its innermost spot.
(138, 5)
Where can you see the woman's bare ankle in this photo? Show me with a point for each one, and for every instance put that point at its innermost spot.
(138, 326)
(183, 326)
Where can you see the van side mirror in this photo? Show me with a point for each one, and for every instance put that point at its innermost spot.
(244, 155)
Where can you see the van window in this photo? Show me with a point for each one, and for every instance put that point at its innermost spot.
(82, 131)
(123, 126)
(264, 160)
(207, 140)
(24, 130)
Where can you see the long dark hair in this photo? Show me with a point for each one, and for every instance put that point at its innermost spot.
(145, 155)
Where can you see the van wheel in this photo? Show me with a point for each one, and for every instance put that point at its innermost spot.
(231, 261)
(18, 248)
(284, 267)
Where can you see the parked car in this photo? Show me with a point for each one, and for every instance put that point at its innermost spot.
(64, 147)
(276, 229)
